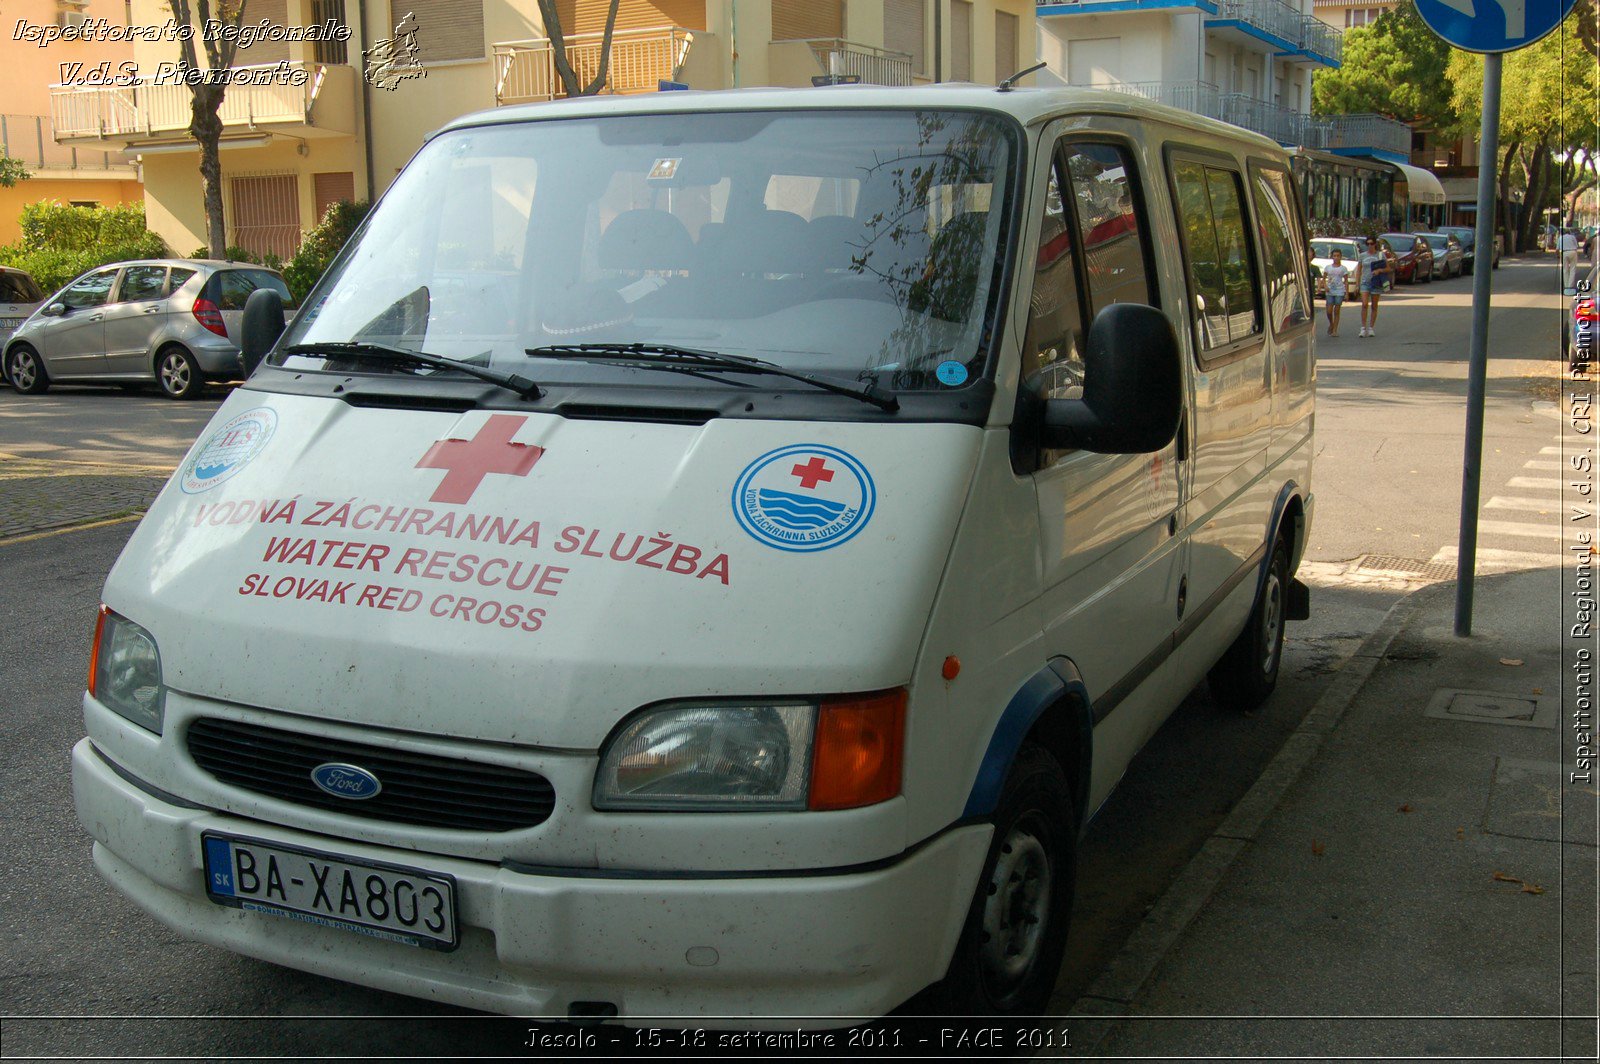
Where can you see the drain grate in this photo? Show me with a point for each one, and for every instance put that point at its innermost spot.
(1393, 563)
(1492, 707)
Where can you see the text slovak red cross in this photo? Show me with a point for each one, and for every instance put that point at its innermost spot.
(812, 473)
(467, 462)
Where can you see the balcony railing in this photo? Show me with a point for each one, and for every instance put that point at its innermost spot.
(1197, 97)
(32, 139)
(1366, 131)
(874, 66)
(1321, 39)
(525, 71)
(1261, 116)
(148, 108)
(1273, 16)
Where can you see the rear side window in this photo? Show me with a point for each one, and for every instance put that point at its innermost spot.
(18, 288)
(1288, 297)
(230, 289)
(180, 277)
(1226, 303)
(143, 283)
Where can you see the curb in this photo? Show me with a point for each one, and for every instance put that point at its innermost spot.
(1113, 992)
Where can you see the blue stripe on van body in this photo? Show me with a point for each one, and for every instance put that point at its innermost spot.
(1051, 684)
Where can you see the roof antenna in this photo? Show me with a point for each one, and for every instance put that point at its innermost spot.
(1011, 82)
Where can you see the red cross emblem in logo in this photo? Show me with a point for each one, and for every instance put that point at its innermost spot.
(812, 473)
(467, 462)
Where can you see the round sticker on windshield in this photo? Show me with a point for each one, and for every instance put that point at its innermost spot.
(804, 498)
(228, 450)
(952, 373)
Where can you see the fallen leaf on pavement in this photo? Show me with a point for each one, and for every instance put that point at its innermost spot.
(1531, 888)
(1511, 661)
(1317, 848)
(1461, 833)
(1501, 877)
(1538, 690)
(1407, 808)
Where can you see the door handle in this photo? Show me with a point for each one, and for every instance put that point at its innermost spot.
(152, 308)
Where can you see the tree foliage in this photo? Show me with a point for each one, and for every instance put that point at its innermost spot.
(1397, 67)
(59, 242)
(11, 171)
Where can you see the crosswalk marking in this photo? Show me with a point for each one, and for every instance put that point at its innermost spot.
(1548, 483)
(1489, 557)
(1518, 528)
(1519, 502)
(1544, 465)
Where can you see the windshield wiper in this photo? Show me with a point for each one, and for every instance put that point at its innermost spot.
(689, 359)
(365, 349)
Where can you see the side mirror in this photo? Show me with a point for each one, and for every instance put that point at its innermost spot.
(1132, 386)
(54, 310)
(263, 324)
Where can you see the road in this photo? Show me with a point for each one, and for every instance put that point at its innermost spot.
(1389, 431)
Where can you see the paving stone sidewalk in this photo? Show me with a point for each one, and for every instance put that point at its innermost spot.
(36, 495)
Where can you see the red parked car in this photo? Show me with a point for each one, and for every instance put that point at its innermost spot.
(1413, 257)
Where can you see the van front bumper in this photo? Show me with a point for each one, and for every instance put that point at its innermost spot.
(834, 943)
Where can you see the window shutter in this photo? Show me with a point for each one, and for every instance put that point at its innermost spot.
(1005, 45)
(261, 52)
(961, 40)
(905, 30)
(446, 29)
(589, 16)
(807, 20)
(330, 188)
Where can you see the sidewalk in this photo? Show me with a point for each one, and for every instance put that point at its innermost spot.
(1409, 877)
(38, 495)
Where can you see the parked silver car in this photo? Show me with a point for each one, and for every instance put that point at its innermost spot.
(172, 321)
(19, 297)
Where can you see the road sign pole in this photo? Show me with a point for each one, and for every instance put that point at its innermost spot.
(1478, 357)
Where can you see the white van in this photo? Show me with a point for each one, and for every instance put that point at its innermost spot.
(707, 555)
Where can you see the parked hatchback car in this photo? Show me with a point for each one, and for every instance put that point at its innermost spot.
(172, 321)
(1413, 258)
(1448, 256)
(1469, 245)
(20, 296)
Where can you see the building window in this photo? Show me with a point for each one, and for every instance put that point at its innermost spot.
(905, 29)
(330, 188)
(1356, 17)
(324, 12)
(1006, 26)
(446, 29)
(264, 215)
(960, 40)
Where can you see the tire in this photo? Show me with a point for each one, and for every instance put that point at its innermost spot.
(25, 370)
(1010, 950)
(1248, 670)
(178, 374)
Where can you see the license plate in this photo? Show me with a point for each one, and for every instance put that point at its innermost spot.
(10, 323)
(385, 901)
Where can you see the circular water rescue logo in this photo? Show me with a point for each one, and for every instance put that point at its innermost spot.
(229, 449)
(804, 498)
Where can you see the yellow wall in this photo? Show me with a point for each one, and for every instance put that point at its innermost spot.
(29, 70)
(106, 193)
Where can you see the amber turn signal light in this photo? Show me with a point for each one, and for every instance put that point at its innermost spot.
(94, 650)
(857, 757)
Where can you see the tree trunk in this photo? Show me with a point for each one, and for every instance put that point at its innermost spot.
(558, 50)
(1503, 200)
(205, 125)
(1533, 202)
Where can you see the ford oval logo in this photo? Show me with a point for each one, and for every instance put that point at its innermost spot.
(345, 781)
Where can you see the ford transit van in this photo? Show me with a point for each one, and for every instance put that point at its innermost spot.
(708, 555)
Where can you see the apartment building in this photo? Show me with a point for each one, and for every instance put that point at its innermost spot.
(361, 105)
(1350, 14)
(91, 175)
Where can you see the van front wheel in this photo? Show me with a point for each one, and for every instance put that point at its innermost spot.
(1009, 954)
(1248, 671)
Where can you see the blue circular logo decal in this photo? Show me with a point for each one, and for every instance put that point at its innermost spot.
(807, 497)
(345, 781)
(952, 373)
(228, 450)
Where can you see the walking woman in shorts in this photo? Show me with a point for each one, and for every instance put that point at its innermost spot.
(1374, 267)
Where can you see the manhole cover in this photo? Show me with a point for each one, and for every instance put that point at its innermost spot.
(1393, 563)
(1492, 707)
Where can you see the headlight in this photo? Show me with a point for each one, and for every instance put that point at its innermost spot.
(125, 671)
(678, 757)
(839, 753)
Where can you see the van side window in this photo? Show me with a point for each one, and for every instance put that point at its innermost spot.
(1288, 299)
(1108, 226)
(1052, 356)
(1226, 301)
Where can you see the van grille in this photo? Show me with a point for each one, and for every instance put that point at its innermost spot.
(440, 792)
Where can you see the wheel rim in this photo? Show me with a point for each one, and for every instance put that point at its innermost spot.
(1271, 620)
(175, 374)
(1017, 908)
(23, 369)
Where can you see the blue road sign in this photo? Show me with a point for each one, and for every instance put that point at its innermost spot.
(1493, 25)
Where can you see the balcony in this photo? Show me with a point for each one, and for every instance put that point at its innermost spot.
(1321, 43)
(1203, 98)
(1049, 8)
(1196, 97)
(1377, 136)
(32, 139)
(148, 112)
(525, 71)
(796, 63)
(1271, 21)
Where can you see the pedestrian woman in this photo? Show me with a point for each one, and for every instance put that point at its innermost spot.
(1374, 268)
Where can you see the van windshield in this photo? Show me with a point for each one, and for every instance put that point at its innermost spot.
(865, 245)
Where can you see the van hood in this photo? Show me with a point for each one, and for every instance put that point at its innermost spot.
(531, 579)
